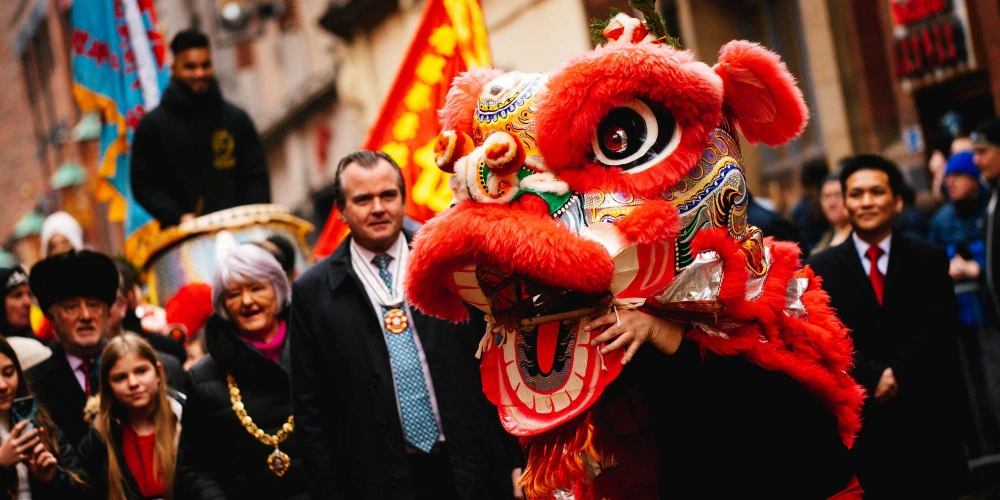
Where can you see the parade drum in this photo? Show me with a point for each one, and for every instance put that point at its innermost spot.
(185, 253)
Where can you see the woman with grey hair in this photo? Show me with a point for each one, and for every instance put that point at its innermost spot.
(238, 438)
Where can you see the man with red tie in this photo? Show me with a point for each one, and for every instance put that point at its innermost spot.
(895, 295)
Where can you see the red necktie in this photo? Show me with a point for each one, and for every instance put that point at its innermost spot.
(876, 276)
(85, 368)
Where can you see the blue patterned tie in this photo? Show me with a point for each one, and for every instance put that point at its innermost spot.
(419, 427)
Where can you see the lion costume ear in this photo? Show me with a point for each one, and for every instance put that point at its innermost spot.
(760, 93)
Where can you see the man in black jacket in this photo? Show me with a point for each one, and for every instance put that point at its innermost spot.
(75, 291)
(196, 153)
(388, 401)
(986, 155)
(895, 295)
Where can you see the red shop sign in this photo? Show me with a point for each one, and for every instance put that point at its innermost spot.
(930, 35)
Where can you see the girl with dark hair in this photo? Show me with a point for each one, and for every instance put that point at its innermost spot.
(131, 451)
(34, 463)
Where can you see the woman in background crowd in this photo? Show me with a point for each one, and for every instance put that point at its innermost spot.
(131, 451)
(60, 234)
(36, 461)
(15, 316)
(239, 436)
(832, 200)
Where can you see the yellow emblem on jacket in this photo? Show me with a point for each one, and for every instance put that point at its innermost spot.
(224, 147)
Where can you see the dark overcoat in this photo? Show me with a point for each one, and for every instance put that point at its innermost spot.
(913, 332)
(345, 404)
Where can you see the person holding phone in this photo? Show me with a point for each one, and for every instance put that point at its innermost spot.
(36, 460)
(132, 448)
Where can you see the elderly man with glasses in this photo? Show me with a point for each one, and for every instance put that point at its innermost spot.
(75, 290)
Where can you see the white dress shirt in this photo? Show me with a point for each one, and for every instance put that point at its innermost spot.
(883, 260)
(398, 250)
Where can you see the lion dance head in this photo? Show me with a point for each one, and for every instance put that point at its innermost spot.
(614, 182)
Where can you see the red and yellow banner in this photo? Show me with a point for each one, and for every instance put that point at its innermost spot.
(450, 39)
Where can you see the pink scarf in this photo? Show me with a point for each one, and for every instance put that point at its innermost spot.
(272, 349)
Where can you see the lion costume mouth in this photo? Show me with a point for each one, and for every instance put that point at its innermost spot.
(537, 364)
(549, 374)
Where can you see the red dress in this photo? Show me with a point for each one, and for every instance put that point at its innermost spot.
(138, 451)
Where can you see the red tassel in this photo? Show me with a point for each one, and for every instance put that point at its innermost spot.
(559, 461)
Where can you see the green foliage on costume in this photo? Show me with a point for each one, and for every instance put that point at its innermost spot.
(653, 20)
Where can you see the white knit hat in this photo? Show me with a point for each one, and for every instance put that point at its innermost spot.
(63, 224)
(29, 352)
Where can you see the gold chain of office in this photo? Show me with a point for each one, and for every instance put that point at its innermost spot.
(277, 461)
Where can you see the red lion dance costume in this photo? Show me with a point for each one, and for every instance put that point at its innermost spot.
(616, 183)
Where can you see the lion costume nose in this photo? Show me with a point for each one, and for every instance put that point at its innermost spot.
(504, 153)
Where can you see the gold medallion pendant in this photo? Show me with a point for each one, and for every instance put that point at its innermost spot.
(395, 321)
(278, 461)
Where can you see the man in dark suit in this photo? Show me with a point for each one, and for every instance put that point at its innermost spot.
(388, 401)
(895, 295)
(75, 291)
(986, 154)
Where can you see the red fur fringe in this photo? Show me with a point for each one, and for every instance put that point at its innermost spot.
(815, 350)
(582, 92)
(761, 93)
(651, 222)
(526, 240)
(463, 99)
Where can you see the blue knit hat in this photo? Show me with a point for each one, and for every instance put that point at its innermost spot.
(961, 163)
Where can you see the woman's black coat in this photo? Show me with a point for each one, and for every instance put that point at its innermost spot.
(218, 458)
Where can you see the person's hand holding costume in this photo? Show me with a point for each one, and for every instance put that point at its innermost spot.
(887, 387)
(633, 328)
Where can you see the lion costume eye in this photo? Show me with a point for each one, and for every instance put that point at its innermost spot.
(635, 136)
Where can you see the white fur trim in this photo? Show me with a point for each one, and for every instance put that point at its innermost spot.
(457, 182)
(545, 183)
(492, 181)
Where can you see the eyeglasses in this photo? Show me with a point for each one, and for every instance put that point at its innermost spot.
(75, 307)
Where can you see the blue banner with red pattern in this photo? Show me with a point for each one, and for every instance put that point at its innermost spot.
(119, 71)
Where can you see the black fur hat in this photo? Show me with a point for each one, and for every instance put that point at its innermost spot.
(74, 274)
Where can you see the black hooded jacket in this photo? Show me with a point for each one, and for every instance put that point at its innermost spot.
(197, 154)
